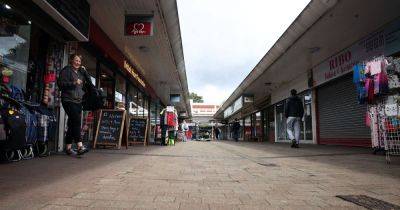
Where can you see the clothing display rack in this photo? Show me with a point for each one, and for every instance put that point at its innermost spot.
(378, 86)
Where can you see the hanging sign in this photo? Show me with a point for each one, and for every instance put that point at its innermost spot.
(139, 25)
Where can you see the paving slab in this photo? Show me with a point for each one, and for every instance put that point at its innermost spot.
(202, 175)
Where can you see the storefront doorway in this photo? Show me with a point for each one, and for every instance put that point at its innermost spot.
(305, 126)
(269, 124)
(107, 83)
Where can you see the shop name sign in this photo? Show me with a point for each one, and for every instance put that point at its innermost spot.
(339, 65)
(139, 29)
(133, 73)
(385, 41)
(139, 25)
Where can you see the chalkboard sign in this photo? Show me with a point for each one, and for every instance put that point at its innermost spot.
(137, 130)
(110, 127)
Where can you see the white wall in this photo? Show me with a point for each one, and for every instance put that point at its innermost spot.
(283, 92)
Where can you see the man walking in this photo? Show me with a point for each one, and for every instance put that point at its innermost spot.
(236, 128)
(216, 132)
(294, 112)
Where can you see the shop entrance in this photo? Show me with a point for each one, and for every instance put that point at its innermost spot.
(269, 124)
(107, 83)
(305, 127)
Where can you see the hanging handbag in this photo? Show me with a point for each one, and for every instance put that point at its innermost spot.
(94, 98)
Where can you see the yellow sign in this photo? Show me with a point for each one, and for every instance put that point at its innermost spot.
(132, 71)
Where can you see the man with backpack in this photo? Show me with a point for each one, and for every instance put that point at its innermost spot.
(294, 112)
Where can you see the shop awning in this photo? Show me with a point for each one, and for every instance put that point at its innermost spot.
(157, 57)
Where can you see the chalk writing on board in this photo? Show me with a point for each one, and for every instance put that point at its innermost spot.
(137, 129)
(110, 126)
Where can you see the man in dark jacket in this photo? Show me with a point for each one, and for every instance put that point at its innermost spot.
(294, 112)
(236, 128)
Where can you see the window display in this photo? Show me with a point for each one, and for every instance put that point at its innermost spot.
(14, 46)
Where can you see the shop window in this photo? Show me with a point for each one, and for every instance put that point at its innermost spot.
(153, 121)
(247, 128)
(89, 62)
(281, 121)
(269, 124)
(15, 34)
(305, 125)
(133, 100)
(107, 83)
(120, 90)
(257, 125)
(140, 104)
(145, 107)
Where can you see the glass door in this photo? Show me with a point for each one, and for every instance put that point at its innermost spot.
(305, 126)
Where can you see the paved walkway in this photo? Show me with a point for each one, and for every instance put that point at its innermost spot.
(201, 175)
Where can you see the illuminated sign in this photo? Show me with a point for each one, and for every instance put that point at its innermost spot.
(132, 72)
(139, 25)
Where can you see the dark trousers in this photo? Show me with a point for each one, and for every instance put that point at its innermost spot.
(236, 135)
(74, 112)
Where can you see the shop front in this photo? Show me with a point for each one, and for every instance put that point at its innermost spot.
(306, 133)
(124, 87)
(32, 51)
(341, 114)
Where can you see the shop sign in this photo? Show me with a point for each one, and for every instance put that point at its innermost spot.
(385, 41)
(133, 73)
(139, 25)
(175, 98)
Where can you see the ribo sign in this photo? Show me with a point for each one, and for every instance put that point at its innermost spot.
(384, 41)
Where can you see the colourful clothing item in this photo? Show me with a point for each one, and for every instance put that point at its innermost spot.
(358, 73)
(369, 88)
(376, 66)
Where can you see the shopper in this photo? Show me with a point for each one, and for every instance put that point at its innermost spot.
(217, 132)
(236, 128)
(72, 80)
(294, 112)
(184, 128)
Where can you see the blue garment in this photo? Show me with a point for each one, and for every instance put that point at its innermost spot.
(358, 73)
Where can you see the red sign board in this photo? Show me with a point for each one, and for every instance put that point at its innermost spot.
(139, 29)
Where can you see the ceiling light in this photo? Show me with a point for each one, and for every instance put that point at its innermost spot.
(29, 22)
(103, 75)
(314, 49)
(143, 48)
(7, 6)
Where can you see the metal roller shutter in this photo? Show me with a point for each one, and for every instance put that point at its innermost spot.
(340, 115)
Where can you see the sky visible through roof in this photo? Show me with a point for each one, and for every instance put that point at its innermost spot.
(223, 40)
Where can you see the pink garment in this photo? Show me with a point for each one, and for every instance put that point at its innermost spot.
(376, 66)
(368, 119)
